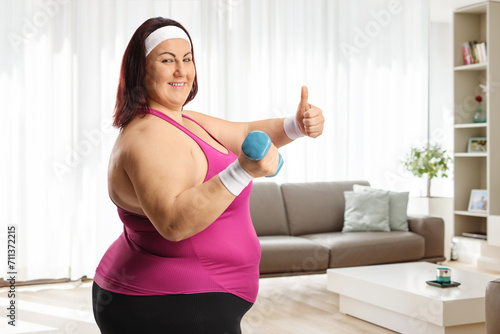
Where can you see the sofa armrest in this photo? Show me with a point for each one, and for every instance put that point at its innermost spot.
(432, 229)
(492, 303)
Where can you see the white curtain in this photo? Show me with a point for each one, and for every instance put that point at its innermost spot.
(364, 61)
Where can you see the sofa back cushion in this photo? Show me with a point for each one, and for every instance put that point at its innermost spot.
(316, 207)
(267, 209)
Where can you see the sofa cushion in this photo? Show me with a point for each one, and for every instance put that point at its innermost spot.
(286, 254)
(368, 248)
(267, 209)
(398, 205)
(316, 207)
(366, 211)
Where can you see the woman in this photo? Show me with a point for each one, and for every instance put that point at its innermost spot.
(188, 258)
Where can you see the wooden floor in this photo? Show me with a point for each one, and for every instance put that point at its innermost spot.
(298, 304)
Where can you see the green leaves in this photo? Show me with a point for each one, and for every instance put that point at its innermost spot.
(431, 160)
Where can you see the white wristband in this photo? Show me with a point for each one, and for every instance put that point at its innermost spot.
(292, 128)
(235, 178)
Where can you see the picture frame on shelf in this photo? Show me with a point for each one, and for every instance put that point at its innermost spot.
(478, 201)
(477, 145)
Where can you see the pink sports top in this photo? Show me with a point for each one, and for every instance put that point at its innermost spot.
(222, 258)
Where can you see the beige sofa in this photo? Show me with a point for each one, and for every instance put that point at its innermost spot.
(493, 307)
(299, 226)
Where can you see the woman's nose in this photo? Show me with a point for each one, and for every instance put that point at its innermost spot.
(180, 69)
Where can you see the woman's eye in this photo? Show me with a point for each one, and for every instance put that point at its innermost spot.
(167, 61)
(187, 60)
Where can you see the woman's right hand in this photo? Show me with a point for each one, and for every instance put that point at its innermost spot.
(259, 168)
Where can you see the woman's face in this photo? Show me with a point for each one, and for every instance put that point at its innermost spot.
(170, 73)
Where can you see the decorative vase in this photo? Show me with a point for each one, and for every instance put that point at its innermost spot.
(479, 115)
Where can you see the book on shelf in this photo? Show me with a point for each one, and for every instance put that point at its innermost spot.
(475, 235)
(474, 52)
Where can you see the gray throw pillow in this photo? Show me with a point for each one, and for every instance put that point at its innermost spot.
(398, 206)
(366, 212)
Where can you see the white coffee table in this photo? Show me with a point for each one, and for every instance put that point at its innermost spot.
(395, 296)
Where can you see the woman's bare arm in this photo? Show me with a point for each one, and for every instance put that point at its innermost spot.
(232, 134)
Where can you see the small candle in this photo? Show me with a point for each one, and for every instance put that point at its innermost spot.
(443, 275)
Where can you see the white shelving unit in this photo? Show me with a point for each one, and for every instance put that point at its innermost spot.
(479, 22)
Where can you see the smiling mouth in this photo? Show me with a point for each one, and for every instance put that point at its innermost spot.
(177, 84)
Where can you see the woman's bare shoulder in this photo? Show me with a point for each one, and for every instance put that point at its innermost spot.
(145, 131)
(150, 156)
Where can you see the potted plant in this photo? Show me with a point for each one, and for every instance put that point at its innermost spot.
(431, 160)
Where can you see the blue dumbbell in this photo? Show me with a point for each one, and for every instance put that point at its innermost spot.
(256, 145)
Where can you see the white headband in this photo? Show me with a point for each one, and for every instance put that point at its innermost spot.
(162, 34)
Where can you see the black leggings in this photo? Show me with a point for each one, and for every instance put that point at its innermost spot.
(201, 313)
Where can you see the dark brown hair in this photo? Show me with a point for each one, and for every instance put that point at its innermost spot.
(131, 96)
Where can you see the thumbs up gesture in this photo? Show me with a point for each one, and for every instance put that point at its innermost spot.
(309, 118)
